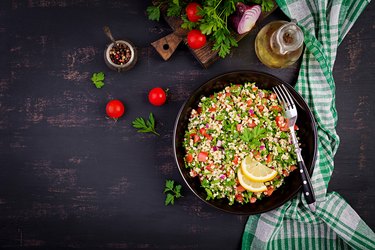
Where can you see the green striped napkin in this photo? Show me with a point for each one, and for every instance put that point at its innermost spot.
(335, 225)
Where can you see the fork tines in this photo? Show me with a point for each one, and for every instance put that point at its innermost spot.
(283, 96)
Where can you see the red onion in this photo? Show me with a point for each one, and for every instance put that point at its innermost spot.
(219, 143)
(251, 111)
(245, 17)
(262, 147)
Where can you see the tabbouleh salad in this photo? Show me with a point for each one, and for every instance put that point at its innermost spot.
(239, 121)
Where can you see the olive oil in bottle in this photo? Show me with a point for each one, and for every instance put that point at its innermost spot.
(279, 44)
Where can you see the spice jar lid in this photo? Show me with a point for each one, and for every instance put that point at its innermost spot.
(120, 56)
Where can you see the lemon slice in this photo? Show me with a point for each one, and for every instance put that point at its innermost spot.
(250, 185)
(256, 171)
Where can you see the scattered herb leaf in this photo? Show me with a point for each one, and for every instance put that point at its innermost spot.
(145, 126)
(98, 79)
(153, 12)
(172, 191)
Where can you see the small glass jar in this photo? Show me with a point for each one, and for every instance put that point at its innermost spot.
(121, 56)
(279, 44)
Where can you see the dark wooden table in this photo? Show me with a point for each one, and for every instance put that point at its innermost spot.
(69, 177)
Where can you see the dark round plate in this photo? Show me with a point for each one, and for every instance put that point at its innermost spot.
(307, 137)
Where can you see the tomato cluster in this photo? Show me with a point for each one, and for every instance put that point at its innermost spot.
(195, 38)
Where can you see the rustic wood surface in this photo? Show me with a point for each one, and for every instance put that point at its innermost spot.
(70, 178)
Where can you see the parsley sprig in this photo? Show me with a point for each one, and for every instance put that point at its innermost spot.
(153, 12)
(253, 136)
(172, 191)
(145, 126)
(214, 23)
(98, 79)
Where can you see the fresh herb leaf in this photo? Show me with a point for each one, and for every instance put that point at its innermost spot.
(145, 126)
(187, 24)
(214, 22)
(173, 192)
(174, 8)
(169, 184)
(267, 5)
(253, 136)
(153, 12)
(169, 199)
(98, 79)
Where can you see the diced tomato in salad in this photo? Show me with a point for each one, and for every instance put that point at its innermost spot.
(189, 158)
(282, 123)
(253, 199)
(203, 156)
(235, 160)
(239, 197)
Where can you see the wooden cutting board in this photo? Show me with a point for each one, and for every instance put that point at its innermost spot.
(166, 46)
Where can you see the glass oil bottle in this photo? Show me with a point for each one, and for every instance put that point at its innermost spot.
(279, 44)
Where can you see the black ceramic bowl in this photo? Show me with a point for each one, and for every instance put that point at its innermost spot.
(307, 134)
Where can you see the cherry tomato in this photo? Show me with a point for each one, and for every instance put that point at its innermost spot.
(157, 96)
(192, 12)
(196, 39)
(115, 109)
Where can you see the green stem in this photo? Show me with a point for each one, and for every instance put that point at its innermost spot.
(218, 4)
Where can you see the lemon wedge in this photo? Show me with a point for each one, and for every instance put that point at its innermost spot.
(250, 185)
(256, 171)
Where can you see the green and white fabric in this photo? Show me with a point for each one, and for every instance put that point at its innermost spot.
(335, 225)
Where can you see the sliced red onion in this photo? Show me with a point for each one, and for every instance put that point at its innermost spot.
(251, 111)
(207, 125)
(245, 17)
(214, 148)
(219, 143)
(261, 94)
(222, 176)
(262, 147)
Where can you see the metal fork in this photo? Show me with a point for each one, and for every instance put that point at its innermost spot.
(291, 114)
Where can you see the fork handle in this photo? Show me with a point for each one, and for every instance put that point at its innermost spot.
(307, 188)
